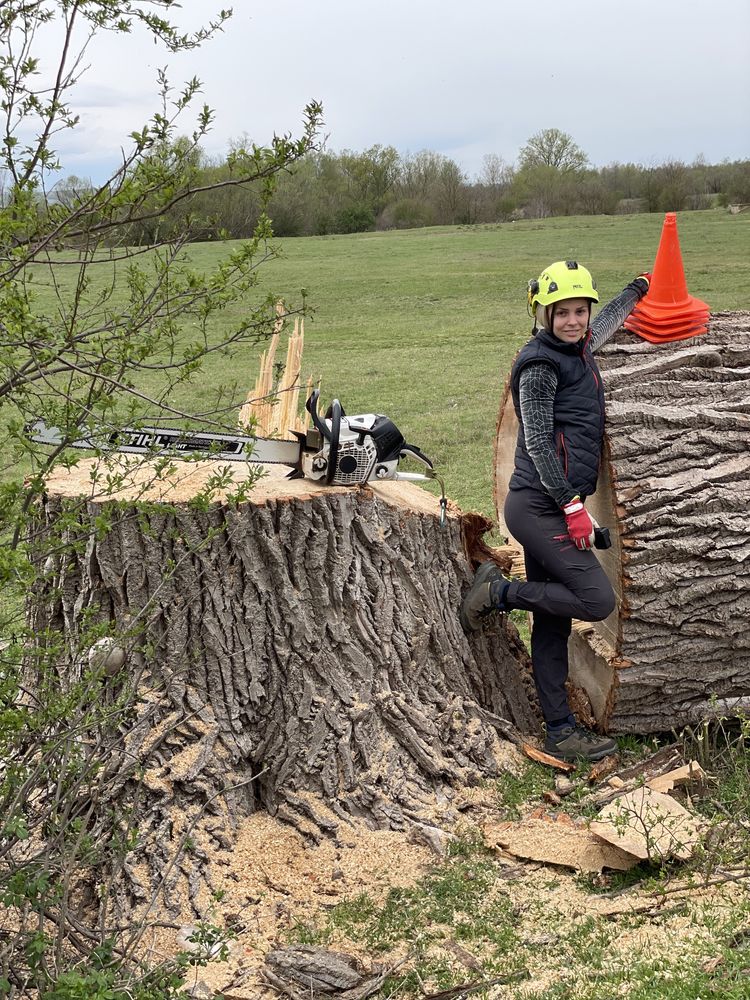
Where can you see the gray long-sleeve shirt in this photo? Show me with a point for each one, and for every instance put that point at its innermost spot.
(537, 388)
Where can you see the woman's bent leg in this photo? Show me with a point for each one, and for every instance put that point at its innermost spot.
(576, 586)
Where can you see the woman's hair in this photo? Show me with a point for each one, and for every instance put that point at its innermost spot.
(543, 317)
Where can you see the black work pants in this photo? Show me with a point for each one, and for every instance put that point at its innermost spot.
(562, 583)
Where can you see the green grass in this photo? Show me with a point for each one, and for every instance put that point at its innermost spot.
(459, 902)
(462, 904)
(515, 790)
(423, 324)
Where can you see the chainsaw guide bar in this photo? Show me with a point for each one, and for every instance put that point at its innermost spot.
(161, 440)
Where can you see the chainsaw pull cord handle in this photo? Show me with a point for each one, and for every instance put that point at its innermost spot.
(411, 449)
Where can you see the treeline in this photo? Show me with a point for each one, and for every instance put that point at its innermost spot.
(379, 188)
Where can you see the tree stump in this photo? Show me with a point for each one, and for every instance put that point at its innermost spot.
(674, 490)
(298, 653)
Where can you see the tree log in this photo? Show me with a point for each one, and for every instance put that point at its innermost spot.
(674, 490)
(299, 653)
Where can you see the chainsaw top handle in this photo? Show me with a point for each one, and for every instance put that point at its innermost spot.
(331, 435)
(312, 408)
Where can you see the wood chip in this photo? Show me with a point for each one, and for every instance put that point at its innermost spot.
(464, 956)
(563, 786)
(603, 768)
(649, 825)
(685, 775)
(558, 844)
(545, 758)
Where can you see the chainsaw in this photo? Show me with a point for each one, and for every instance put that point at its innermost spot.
(339, 450)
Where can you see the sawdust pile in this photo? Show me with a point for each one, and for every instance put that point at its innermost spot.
(272, 881)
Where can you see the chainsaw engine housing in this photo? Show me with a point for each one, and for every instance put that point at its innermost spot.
(368, 447)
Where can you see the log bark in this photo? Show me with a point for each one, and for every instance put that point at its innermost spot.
(304, 971)
(674, 490)
(298, 653)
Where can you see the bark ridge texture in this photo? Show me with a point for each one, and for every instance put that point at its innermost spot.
(310, 642)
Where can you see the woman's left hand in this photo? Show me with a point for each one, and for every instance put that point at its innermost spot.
(579, 524)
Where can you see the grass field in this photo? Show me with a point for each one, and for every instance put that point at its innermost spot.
(423, 324)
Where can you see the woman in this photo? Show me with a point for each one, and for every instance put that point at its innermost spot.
(558, 398)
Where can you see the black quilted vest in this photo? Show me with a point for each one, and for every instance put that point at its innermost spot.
(579, 412)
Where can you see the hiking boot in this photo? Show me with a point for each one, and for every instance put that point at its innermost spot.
(574, 742)
(485, 596)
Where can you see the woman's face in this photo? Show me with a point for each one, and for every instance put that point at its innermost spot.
(570, 319)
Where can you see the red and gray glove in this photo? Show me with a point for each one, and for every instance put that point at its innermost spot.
(580, 526)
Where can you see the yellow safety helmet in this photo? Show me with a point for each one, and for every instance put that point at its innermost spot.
(565, 279)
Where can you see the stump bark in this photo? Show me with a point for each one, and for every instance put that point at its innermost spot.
(674, 490)
(298, 653)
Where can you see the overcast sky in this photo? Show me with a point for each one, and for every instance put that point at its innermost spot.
(643, 81)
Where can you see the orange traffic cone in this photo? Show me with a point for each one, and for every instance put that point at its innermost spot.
(668, 312)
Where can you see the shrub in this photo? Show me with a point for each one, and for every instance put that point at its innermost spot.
(355, 219)
(407, 213)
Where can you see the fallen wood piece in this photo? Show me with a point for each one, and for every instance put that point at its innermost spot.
(558, 844)
(544, 758)
(304, 971)
(464, 956)
(685, 775)
(626, 779)
(647, 909)
(603, 768)
(649, 825)
(663, 760)
(457, 992)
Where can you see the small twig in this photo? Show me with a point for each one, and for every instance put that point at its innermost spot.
(270, 883)
(726, 877)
